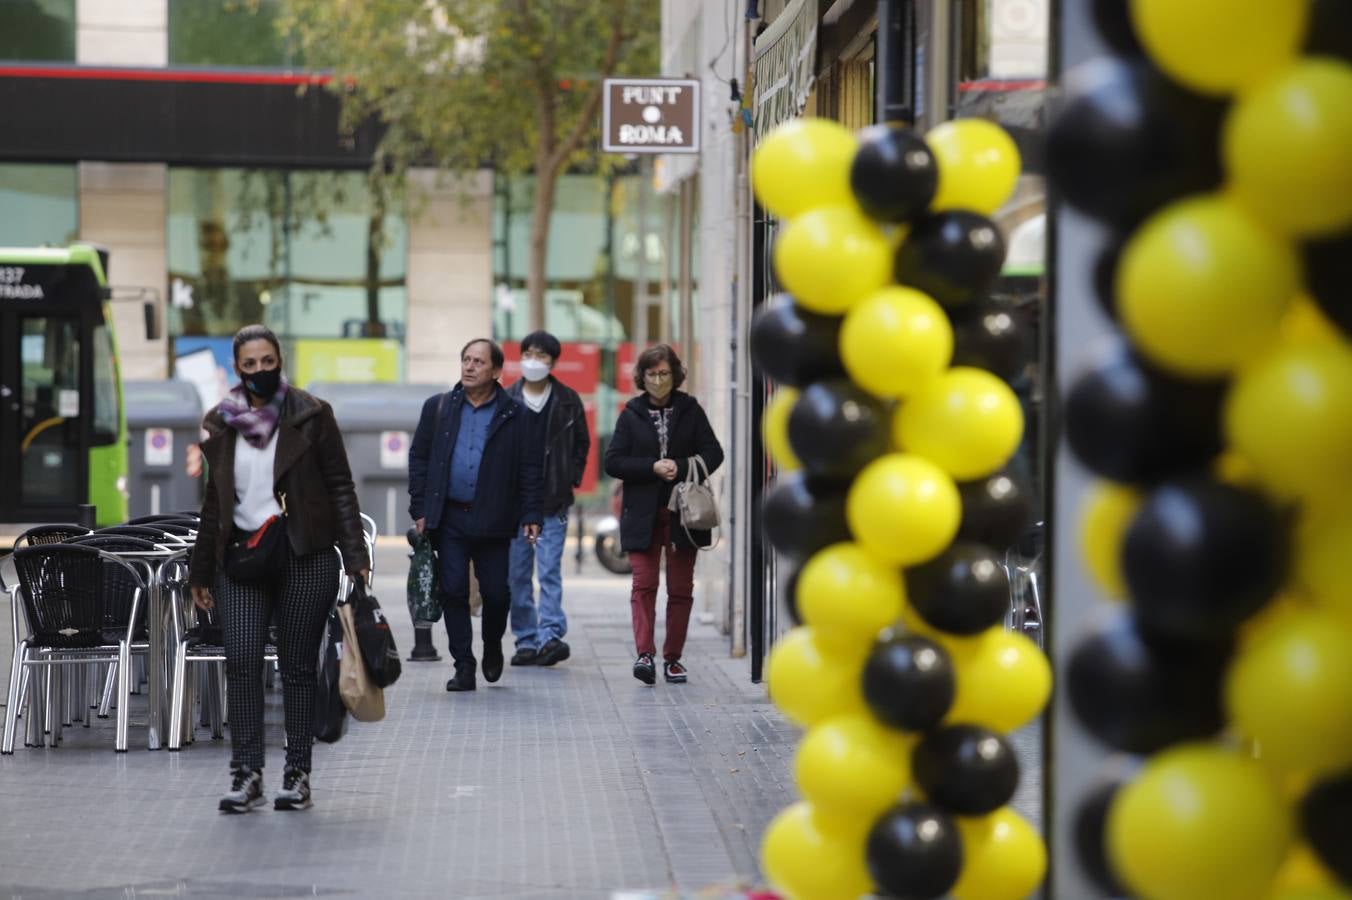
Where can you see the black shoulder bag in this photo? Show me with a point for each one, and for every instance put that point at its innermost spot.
(257, 555)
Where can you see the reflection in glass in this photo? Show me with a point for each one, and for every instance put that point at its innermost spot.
(38, 204)
(37, 30)
(49, 411)
(230, 33)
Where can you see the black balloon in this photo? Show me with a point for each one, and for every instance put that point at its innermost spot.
(997, 509)
(914, 851)
(794, 346)
(1328, 275)
(1105, 275)
(1128, 422)
(963, 590)
(835, 429)
(801, 518)
(952, 256)
(1325, 813)
(790, 593)
(1113, 23)
(909, 682)
(1090, 829)
(1200, 557)
(965, 769)
(1139, 693)
(894, 174)
(1129, 141)
(992, 336)
(1330, 29)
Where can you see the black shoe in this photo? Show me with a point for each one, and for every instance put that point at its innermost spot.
(463, 681)
(246, 791)
(525, 657)
(673, 671)
(295, 792)
(554, 651)
(423, 649)
(492, 662)
(644, 670)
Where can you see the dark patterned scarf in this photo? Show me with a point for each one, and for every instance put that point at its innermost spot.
(257, 425)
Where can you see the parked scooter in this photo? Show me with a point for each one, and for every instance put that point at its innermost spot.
(608, 551)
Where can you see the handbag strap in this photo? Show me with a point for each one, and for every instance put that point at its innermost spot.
(697, 468)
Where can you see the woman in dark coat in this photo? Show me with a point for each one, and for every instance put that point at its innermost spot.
(655, 438)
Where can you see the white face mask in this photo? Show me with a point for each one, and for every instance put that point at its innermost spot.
(533, 370)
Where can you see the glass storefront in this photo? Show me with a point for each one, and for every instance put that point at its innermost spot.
(38, 204)
(307, 253)
(37, 30)
(230, 33)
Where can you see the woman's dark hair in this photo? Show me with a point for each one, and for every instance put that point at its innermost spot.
(661, 353)
(494, 351)
(544, 342)
(255, 333)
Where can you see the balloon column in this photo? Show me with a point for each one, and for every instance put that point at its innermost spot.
(1216, 147)
(895, 500)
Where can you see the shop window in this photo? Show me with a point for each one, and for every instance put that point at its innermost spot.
(38, 204)
(37, 30)
(230, 33)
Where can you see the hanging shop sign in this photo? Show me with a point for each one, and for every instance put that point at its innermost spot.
(785, 60)
(650, 115)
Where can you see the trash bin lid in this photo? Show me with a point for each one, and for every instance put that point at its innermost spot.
(166, 404)
(375, 407)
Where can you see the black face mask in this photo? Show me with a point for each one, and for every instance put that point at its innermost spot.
(263, 383)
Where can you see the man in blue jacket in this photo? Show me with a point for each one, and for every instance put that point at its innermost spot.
(474, 481)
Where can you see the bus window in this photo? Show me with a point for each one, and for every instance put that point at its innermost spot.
(49, 423)
(105, 389)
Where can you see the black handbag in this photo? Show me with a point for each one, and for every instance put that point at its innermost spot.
(375, 640)
(259, 554)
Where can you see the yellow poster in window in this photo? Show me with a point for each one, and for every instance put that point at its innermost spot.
(349, 361)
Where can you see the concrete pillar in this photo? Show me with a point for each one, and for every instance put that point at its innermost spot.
(122, 207)
(450, 271)
(122, 32)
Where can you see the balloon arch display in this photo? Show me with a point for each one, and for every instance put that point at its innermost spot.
(1216, 146)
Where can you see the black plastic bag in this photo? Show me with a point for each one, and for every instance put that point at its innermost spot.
(330, 711)
(376, 639)
(424, 595)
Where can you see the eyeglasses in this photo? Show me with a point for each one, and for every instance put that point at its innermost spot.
(656, 376)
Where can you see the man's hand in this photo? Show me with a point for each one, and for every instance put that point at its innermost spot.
(665, 469)
(531, 532)
(365, 576)
(420, 524)
(202, 599)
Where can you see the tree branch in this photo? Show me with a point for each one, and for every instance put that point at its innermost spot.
(593, 103)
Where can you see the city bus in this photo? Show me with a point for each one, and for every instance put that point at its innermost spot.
(63, 429)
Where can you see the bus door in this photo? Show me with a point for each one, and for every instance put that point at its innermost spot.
(43, 442)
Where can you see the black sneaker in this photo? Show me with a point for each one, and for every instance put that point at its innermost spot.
(492, 662)
(553, 652)
(525, 657)
(462, 681)
(644, 670)
(295, 792)
(246, 791)
(673, 671)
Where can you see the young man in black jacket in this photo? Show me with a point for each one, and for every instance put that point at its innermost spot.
(474, 482)
(561, 422)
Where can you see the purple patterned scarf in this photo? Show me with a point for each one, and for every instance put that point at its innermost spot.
(257, 425)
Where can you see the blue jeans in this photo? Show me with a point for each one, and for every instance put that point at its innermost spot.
(535, 629)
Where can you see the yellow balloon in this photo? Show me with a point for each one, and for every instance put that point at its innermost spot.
(848, 595)
(1291, 692)
(1326, 892)
(1322, 569)
(1105, 512)
(830, 258)
(1220, 46)
(1200, 822)
(978, 165)
(851, 766)
(1003, 680)
(1290, 416)
(1275, 614)
(895, 341)
(1202, 286)
(1286, 147)
(1305, 323)
(967, 421)
(775, 429)
(808, 860)
(1003, 857)
(903, 509)
(1302, 871)
(804, 164)
(808, 682)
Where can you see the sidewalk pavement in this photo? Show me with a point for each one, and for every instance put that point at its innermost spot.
(570, 782)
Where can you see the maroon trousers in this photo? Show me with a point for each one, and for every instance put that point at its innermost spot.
(680, 590)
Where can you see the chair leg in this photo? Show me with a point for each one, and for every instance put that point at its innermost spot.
(109, 682)
(58, 709)
(176, 697)
(16, 668)
(218, 705)
(123, 694)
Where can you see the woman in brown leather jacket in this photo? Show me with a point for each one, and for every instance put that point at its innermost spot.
(275, 460)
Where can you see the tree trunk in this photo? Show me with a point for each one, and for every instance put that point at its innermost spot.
(542, 209)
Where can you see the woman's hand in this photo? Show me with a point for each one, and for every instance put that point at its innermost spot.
(665, 469)
(202, 599)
